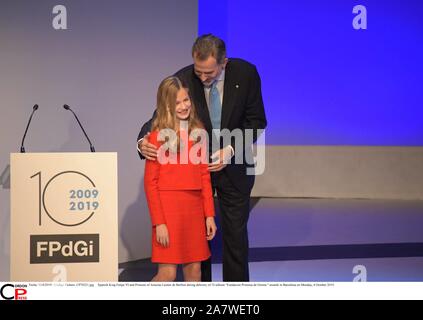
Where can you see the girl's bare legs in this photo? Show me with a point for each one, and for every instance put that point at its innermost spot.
(192, 271)
(166, 273)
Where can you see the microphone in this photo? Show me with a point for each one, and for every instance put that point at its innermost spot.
(34, 108)
(65, 106)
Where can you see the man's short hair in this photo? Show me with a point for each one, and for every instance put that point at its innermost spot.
(209, 45)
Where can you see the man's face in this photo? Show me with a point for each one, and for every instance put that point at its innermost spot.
(208, 70)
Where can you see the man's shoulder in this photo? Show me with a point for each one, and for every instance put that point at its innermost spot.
(240, 66)
(185, 71)
(241, 63)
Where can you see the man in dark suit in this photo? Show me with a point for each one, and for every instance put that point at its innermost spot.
(227, 95)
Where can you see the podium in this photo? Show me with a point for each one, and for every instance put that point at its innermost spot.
(64, 217)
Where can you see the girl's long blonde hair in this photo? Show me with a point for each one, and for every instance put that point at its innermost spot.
(166, 106)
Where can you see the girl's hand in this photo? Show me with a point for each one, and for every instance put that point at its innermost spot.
(162, 235)
(210, 228)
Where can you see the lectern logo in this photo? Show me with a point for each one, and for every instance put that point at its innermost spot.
(64, 248)
(69, 198)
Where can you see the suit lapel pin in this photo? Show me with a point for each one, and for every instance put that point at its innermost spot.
(237, 86)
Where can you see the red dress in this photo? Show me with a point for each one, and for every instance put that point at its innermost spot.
(180, 196)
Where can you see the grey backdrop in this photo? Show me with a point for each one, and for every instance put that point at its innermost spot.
(107, 67)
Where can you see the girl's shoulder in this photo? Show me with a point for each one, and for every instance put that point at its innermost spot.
(152, 138)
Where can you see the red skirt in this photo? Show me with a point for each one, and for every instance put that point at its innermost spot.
(186, 224)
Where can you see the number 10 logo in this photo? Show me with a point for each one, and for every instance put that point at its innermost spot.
(69, 198)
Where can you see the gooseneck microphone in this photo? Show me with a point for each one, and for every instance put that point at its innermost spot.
(89, 141)
(34, 108)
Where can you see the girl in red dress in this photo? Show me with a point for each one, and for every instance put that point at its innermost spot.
(178, 189)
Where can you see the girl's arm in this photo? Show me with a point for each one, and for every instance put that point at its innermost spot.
(151, 179)
(206, 190)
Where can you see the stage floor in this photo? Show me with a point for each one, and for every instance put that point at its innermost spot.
(324, 240)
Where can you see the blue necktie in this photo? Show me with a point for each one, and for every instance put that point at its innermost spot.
(215, 106)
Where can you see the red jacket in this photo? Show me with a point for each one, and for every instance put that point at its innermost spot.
(175, 176)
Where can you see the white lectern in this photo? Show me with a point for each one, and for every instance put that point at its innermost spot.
(64, 217)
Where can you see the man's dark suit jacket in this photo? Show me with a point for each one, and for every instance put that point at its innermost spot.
(242, 108)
